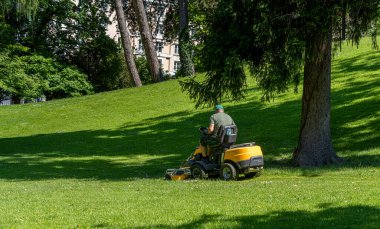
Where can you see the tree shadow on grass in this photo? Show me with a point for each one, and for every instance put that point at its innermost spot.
(366, 62)
(357, 216)
(135, 150)
(100, 154)
(147, 148)
(355, 109)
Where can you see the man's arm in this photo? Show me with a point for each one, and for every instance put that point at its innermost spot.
(211, 128)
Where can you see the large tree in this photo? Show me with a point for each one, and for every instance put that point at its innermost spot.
(281, 39)
(128, 52)
(147, 39)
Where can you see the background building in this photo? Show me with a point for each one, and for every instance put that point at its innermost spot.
(167, 52)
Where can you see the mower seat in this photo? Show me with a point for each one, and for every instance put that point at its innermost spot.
(227, 135)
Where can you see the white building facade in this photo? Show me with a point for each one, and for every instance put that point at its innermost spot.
(167, 52)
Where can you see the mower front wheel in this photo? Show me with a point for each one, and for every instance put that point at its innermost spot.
(198, 172)
(228, 172)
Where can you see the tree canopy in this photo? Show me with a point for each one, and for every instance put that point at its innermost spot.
(270, 37)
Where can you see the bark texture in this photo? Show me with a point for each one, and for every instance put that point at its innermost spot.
(147, 40)
(128, 53)
(187, 66)
(344, 22)
(314, 144)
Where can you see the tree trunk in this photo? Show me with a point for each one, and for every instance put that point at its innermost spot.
(128, 54)
(344, 13)
(187, 66)
(147, 40)
(314, 144)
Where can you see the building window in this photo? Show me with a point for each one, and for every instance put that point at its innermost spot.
(141, 46)
(160, 62)
(160, 10)
(192, 32)
(176, 49)
(159, 46)
(177, 65)
(160, 29)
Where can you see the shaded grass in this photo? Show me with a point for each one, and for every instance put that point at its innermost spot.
(98, 161)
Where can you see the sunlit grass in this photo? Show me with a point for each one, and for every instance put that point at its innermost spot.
(98, 161)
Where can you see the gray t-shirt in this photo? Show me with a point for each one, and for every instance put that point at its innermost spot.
(220, 119)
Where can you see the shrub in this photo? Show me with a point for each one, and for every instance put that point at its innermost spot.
(24, 75)
(143, 69)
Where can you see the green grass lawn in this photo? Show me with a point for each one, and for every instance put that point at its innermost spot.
(98, 161)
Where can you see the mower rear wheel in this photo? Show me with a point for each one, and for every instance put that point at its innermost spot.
(198, 172)
(228, 172)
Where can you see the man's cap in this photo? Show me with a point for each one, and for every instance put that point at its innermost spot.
(219, 107)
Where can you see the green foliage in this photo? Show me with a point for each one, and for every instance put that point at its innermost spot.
(185, 51)
(171, 23)
(222, 59)
(24, 8)
(271, 38)
(14, 81)
(124, 79)
(213, 88)
(6, 34)
(200, 12)
(24, 75)
(98, 54)
(190, 46)
(83, 40)
(65, 82)
(100, 59)
(72, 33)
(143, 70)
(54, 29)
(362, 15)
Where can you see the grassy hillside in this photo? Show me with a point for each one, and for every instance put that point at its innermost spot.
(98, 161)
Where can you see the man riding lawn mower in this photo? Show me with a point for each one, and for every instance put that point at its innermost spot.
(227, 161)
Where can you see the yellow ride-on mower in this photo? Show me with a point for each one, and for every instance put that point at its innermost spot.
(227, 161)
